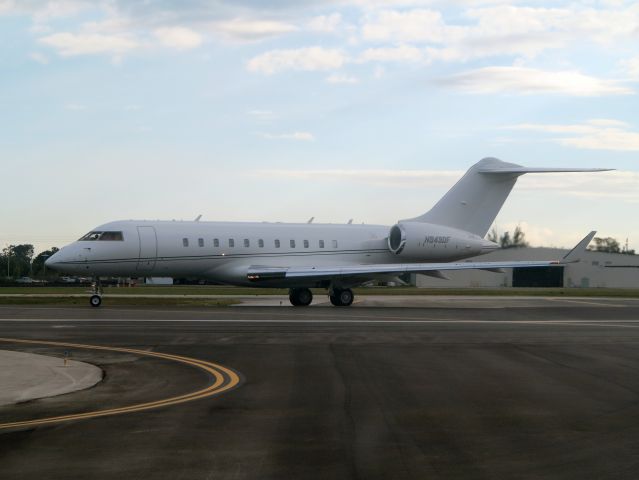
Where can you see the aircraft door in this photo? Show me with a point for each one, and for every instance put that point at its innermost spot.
(148, 248)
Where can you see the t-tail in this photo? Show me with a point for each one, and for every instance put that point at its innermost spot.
(476, 199)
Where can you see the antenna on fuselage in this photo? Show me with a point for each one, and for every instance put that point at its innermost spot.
(197, 219)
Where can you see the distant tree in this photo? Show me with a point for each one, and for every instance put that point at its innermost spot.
(610, 245)
(506, 241)
(19, 258)
(37, 266)
(607, 244)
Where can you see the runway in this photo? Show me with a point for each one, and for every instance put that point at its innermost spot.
(451, 388)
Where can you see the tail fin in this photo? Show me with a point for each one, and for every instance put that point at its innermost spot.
(476, 199)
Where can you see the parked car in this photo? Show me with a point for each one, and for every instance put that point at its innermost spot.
(25, 280)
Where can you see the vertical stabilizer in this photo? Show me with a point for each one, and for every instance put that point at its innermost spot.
(476, 199)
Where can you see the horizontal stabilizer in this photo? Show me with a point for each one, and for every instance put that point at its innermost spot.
(522, 170)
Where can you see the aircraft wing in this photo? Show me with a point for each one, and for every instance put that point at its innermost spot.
(257, 273)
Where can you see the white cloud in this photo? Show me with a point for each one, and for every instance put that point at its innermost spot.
(408, 26)
(402, 53)
(529, 81)
(596, 134)
(252, 30)
(301, 136)
(180, 38)
(631, 67)
(497, 30)
(325, 23)
(39, 57)
(309, 59)
(342, 78)
(70, 44)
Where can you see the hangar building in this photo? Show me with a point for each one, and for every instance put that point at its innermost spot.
(595, 270)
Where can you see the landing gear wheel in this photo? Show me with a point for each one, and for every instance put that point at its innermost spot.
(95, 300)
(342, 298)
(300, 297)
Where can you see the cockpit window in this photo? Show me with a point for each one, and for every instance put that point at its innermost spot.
(109, 236)
(91, 236)
(113, 236)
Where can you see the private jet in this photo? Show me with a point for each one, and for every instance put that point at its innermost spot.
(301, 256)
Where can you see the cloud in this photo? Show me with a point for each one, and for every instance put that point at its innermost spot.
(180, 38)
(39, 57)
(408, 26)
(402, 53)
(325, 23)
(70, 44)
(498, 30)
(301, 136)
(252, 30)
(309, 59)
(528, 81)
(596, 134)
(631, 67)
(342, 78)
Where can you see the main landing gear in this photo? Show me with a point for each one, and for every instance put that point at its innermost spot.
(341, 297)
(300, 297)
(96, 293)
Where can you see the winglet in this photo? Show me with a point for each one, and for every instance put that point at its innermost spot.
(574, 255)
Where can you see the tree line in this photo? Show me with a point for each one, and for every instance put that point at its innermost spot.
(518, 239)
(18, 261)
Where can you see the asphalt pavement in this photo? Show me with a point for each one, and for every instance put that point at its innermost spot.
(460, 388)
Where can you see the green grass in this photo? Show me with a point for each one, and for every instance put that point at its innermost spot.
(133, 301)
(242, 291)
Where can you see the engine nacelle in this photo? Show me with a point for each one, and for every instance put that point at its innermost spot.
(428, 242)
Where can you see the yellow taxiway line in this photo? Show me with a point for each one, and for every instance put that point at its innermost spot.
(224, 380)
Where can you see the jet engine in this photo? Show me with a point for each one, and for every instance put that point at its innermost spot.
(428, 242)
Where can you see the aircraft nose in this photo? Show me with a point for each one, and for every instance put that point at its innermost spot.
(52, 261)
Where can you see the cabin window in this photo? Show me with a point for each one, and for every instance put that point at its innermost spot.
(277, 243)
(292, 243)
(321, 244)
(334, 243)
(260, 243)
(305, 243)
(216, 242)
(185, 242)
(200, 242)
(247, 243)
(231, 242)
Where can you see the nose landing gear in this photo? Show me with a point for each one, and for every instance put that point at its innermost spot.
(96, 296)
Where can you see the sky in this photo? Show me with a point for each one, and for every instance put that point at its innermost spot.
(252, 110)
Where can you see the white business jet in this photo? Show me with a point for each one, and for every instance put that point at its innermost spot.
(310, 255)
